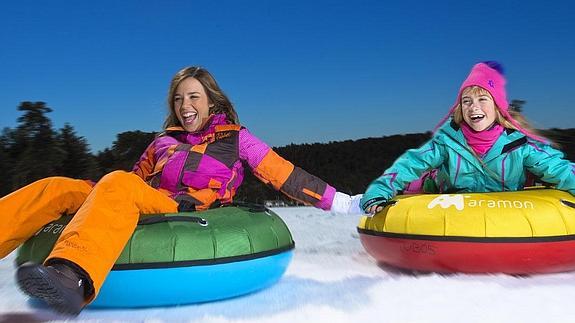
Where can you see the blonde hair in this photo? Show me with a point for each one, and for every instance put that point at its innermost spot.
(499, 118)
(217, 97)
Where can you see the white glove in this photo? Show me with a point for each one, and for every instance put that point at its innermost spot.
(355, 207)
(343, 203)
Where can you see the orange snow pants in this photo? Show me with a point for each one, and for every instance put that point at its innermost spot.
(106, 216)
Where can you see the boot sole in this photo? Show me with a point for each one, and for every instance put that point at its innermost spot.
(37, 282)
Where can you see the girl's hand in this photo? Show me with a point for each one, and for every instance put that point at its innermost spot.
(374, 209)
(378, 204)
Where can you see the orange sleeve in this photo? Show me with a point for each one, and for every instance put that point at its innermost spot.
(145, 166)
(290, 180)
(273, 169)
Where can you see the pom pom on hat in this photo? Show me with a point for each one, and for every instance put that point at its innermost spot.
(496, 66)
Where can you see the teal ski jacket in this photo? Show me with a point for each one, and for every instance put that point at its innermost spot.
(502, 168)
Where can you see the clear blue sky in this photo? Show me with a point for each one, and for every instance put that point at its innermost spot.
(297, 71)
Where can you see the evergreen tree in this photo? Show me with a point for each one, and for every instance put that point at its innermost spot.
(6, 161)
(125, 151)
(77, 162)
(106, 162)
(34, 151)
(517, 105)
(130, 146)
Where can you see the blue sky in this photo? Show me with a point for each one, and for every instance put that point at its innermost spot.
(297, 71)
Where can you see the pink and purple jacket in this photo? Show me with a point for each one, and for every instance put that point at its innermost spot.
(206, 166)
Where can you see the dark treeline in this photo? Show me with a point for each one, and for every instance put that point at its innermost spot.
(34, 150)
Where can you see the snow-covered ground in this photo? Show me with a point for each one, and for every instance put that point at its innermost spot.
(332, 279)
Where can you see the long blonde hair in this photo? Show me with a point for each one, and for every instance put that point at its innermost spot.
(216, 96)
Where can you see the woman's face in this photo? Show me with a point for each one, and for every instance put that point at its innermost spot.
(191, 104)
(478, 110)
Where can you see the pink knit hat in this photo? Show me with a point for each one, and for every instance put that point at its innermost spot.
(489, 76)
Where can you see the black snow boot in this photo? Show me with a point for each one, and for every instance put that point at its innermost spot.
(59, 285)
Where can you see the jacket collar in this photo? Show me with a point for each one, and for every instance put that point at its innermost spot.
(508, 140)
(201, 135)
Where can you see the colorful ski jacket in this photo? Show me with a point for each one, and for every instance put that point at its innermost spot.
(502, 168)
(200, 168)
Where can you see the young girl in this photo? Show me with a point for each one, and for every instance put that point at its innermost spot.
(197, 162)
(481, 146)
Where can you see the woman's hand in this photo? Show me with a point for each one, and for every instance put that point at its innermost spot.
(343, 203)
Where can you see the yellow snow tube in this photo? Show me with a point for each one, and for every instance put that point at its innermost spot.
(528, 213)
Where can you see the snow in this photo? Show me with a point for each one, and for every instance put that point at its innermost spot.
(332, 279)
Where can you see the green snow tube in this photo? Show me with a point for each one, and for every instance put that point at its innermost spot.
(189, 257)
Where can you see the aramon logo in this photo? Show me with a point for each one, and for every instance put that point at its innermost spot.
(460, 201)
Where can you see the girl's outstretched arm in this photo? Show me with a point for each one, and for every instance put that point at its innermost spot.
(407, 168)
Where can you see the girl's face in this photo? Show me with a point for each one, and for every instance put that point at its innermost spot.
(191, 104)
(478, 110)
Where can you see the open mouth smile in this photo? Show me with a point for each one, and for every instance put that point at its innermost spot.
(189, 116)
(476, 117)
